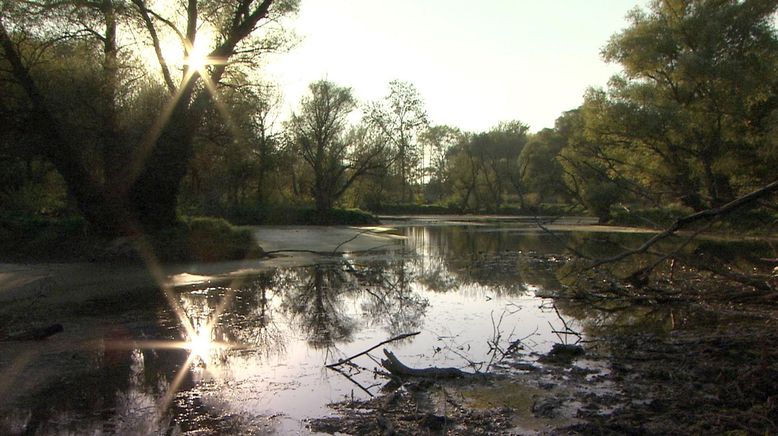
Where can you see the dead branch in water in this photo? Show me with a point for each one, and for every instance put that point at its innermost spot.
(397, 368)
(35, 334)
(683, 222)
(396, 338)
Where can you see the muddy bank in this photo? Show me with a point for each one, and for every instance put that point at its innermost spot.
(691, 354)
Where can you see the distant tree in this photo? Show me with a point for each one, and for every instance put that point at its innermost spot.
(438, 141)
(507, 141)
(485, 167)
(335, 155)
(464, 174)
(542, 173)
(401, 118)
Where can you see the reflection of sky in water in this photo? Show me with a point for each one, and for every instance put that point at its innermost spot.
(453, 284)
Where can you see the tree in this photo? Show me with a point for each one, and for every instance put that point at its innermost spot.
(336, 156)
(438, 141)
(133, 185)
(485, 166)
(591, 174)
(401, 118)
(692, 116)
(542, 173)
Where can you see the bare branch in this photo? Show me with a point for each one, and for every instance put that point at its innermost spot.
(683, 222)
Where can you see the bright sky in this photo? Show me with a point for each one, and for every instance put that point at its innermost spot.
(475, 62)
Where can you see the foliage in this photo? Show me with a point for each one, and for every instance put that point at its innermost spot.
(74, 81)
(88, 123)
(691, 118)
(400, 120)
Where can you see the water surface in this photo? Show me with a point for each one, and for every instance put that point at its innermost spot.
(254, 359)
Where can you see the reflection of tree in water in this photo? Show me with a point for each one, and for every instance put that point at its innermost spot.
(317, 298)
(247, 319)
(315, 302)
(252, 319)
(389, 297)
(454, 257)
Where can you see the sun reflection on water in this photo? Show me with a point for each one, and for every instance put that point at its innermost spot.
(200, 345)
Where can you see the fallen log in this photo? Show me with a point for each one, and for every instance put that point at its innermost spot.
(36, 334)
(397, 368)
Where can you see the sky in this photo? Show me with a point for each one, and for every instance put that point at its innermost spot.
(475, 63)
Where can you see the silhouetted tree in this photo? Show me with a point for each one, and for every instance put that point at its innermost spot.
(128, 184)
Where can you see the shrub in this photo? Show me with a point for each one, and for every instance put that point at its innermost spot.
(204, 239)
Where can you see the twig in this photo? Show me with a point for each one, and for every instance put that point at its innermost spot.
(555, 236)
(335, 250)
(352, 381)
(396, 338)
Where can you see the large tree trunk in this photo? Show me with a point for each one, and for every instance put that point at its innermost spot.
(153, 196)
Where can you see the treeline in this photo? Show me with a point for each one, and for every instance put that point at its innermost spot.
(88, 123)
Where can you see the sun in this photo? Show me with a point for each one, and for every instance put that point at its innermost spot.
(174, 53)
(200, 345)
(198, 57)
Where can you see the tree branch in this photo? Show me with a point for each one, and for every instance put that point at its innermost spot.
(683, 222)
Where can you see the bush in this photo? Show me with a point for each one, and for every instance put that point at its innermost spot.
(24, 236)
(748, 221)
(417, 209)
(204, 239)
(599, 198)
(68, 239)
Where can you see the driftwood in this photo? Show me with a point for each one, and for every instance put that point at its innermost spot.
(36, 334)
(397, 368)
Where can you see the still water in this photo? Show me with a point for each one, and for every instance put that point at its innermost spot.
(249, 356)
